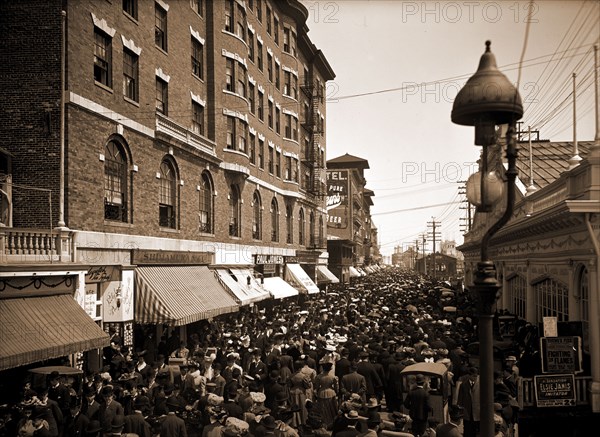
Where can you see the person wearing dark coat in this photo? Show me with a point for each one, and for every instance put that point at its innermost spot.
(76, 422)
(90, 407)
(110, 409)
(136, 422)
(418, 405)
(173, 426)
(342, 366)
(393, 395)
(59, 392)
(353, 382)
(273, 389)
(231, 405)
(368, 370)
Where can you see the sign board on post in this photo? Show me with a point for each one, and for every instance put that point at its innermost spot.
(555, 390)
(561, 354)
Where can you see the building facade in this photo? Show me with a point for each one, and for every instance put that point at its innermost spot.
(188, 146)
(349, 225)
(547, 255)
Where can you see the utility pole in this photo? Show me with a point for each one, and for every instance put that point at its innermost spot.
(435, 236)
(416, 254)
(462, 190)
(424, 239)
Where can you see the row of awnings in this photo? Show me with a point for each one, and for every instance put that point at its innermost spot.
(355, 272)
(53, 325)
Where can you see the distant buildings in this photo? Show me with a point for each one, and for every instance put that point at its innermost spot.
(352, 237)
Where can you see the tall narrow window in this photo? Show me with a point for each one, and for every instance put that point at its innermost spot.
(197, 58)
(274, 220)
(270, 67)
(256, 216)
(301, 227)
(268, 18)
(240, 28)
(270, 114)
(230, 75)
(230, 133)
(288, 168)
(252, 149)
(241, 81)
(259, 10)
(235, 211)
(115, 183)
(321, 236)
(198, 7)
(160, 27)
(229, 8)
(242, 131)
(286, 39)
(289, 224)
(259, 55)
(130, 7)
(197, 118)
(205, 204)
(251, 97)
(278, 163)
(287, 133)
(261, 105)
(277, 120)
(287, 83)
(162, 93)
(261, 153)
(271, 160)
(276, 30)
(167, 202)
(130, 75)
(277, 76)
(102, 58)
(250, 45)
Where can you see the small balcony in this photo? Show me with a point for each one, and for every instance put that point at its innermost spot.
(29, 245)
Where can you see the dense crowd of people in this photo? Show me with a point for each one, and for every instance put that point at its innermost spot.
(327, 364)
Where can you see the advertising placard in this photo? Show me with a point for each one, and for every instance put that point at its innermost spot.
(561, 354)
(337, 198)
(555, 390)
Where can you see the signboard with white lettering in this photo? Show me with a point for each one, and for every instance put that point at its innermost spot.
(555, 390)
(337, 198)
(561, 354)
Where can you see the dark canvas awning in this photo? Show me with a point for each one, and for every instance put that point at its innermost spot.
(44, 327)
(178, 295)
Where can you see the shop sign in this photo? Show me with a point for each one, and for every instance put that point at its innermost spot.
(337, 198)
(170, 257)
(101, 274)
(268, 259)
(555, 390)
(561, 354)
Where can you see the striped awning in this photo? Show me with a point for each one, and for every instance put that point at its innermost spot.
(236, 280)
(279, 289)
(354, 273)
(295, 275)
(43, 327)
(325, 275)
(178, 295)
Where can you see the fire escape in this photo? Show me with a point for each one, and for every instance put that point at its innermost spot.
(313, 157)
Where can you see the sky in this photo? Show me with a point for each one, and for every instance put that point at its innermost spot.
(400, 64)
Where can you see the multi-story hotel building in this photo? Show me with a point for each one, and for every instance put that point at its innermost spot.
(163, 161)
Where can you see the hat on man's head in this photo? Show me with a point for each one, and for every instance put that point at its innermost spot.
(141, 401)
(420, 379)
(54, 375)
(268, 422)
(173, 403)
(352, 415)
(107, 390)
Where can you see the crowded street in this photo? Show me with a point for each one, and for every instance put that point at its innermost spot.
(311, 365)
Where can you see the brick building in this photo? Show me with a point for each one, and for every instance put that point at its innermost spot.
(190, 143)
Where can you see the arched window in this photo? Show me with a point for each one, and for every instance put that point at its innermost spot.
(167, 196)
(552, 299)
(274, 220)
(301, 226)
(256, 216)
(235, 211)
(205, 204)
(289, 222)
(311, 228)
(115, 183)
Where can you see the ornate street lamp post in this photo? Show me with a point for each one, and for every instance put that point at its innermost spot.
(488, 100)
